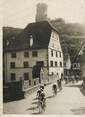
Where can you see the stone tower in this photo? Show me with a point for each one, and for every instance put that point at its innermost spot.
(41, 12)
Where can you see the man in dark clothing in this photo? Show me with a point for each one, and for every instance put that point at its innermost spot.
(54, 87)
(59, 84)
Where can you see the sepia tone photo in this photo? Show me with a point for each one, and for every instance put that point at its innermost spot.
(44, 57)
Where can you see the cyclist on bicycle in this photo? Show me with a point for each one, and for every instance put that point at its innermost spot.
(41, 102)
(42, 87)
(42, 95)
(42, 99)
(38, 93)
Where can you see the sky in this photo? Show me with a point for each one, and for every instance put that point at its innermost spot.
(19, 13)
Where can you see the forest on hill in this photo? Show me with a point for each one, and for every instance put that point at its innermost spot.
(72, 35)
(71, 29)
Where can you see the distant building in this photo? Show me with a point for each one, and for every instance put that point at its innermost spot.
(66, 59)
(41, 12)
(82, 64)
(82, 60)
(67, 64)
(78, 63)
(34, 55)
(75, 68)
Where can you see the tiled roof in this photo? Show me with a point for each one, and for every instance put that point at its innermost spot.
(40, 32)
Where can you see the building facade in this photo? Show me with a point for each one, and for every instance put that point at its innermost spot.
(35, 56)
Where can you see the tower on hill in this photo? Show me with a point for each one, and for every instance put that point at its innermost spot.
(41, 12)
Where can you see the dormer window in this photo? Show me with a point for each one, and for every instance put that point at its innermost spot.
(31, 40)
(7, 43)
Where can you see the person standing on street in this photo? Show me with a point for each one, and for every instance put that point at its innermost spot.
(54, 88)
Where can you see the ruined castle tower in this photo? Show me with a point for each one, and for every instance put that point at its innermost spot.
(41, 12)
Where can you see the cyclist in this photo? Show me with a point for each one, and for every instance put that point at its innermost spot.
(38, 93)
(42, 87)
(60, 85)
(42, 102)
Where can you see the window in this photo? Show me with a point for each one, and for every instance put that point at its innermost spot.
(51, 63)
(12, 65)
(26, 54)
(13, 55)
(53, 35)
(29, 82)
(34, 54)
(74, 65)
(51, 52)
(26, 76)
(78, 65)
(60, 54)
(52, 73)
(65, 64)
(34, 83)
(60, 64)
(57, 73)
(31, 40)
(13, 76)
(26, 64)
(56, 54)
(57, 37)
(53, 45)
(56, 64)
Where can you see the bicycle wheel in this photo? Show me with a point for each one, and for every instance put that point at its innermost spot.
(44, 106)
(40, 107)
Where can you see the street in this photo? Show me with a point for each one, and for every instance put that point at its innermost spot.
(68, 101)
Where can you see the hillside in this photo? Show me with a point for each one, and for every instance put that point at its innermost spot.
(9, 32)
(72, 35)
(71, 29)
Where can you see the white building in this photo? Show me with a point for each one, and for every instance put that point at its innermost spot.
(37, 46)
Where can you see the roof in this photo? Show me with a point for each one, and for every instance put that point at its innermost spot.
(40, 32)
(9, 35)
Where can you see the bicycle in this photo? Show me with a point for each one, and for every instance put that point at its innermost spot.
(41, 105)
(54, 92)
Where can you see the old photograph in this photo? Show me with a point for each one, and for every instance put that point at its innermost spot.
(43, 57)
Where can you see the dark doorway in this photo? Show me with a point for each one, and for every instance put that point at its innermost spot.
(40, 63)
(36, 70)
